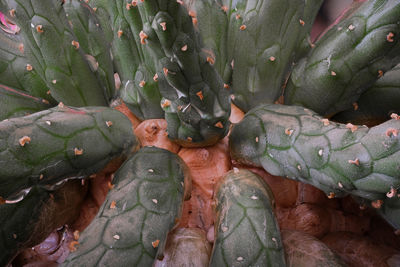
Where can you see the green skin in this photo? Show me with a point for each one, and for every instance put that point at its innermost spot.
(195, 102)
(247, 233)
(52, 53)
(220, 34)
(347, 59)
(212, 25)
(148, 195)
(49, 157)
(15, 103)
(193, 120)
(272, 35)
(29, 221)
(86, 28)
(377, 103)
(296, 143)
(311, 9)
(55, 134)
(133, 61)
(13, 70)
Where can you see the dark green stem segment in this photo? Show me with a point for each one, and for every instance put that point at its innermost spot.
(247, 232)
(14, 66)
(195, 100)
(339, 159)
(347, 59)
(135, 63)
(16, 103)
(159, 58)
(212, 20)
(377, 103)
(254, 43)
(132, 225)
(265, 44)
(29, 220)
(54, 52)
(90, 35)
(61, 143)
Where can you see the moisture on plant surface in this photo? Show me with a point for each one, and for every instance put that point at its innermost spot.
(199, 133)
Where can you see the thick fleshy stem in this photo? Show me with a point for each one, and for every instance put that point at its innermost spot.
(144, 204)
(47, 147)
(54, 52)
(347, 59)
(195, 101)
(339, 159)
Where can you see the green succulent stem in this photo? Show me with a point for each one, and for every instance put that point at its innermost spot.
(135, 63)
(54, 52)
(247, 232)
(377, 103)
(96, 49)
(265, 46)
(16, 103)
(195, 102)
(15, 70)
(347, 59)
(61, 143)
(132, 225)
(339, 159)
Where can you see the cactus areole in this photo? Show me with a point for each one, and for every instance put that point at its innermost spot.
(77, 77)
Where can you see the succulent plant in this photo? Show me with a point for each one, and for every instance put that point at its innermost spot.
(148, 192)
(343, 159)
(167, 65)
(47, 147)
(347, 59)
(16, 103)
(376, 103)
(16, 70)
(68, 67)
(244, 207)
